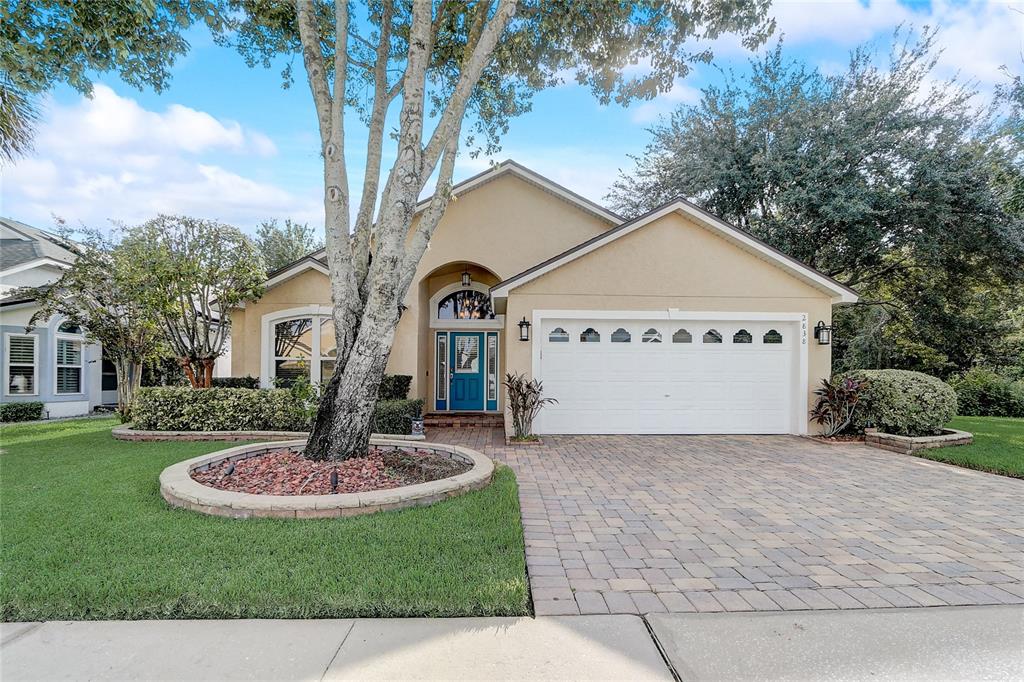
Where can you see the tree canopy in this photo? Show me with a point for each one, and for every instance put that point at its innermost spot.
(885, 177)
(284, 243)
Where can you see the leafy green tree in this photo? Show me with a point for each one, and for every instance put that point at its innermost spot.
(47, 42)
(886, 178)
(287, 243)
(101, 293)
(464, 68)
(191, 272)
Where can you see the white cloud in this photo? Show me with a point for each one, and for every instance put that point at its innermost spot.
(650, 111)
(977, 36)
(108, 158)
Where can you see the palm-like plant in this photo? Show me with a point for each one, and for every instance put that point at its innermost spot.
(525, 401)
(836, 403)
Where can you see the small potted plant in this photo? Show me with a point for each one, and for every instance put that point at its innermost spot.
(417, 421)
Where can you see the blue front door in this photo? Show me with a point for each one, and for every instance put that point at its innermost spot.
(467, 371)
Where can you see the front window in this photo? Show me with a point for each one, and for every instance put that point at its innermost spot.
(467, 304)
(22, 354)
(293, 349)
(304, 346)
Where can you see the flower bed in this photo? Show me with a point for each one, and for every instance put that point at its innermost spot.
(180, 487)
(288, 472)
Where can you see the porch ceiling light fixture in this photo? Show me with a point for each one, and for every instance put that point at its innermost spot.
(524, 330)
(467, 279)
(823, 333)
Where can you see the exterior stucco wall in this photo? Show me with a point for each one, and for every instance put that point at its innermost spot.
(671, 263)
(503, 226)
(305, 289)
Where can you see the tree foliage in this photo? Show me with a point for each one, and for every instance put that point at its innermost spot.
(192, 271)
(100, 292)
(281, 244)
(885, 177)
(18, 116)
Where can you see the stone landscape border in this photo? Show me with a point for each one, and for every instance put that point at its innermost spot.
(179, 489)
(908, 445)
(128, 432)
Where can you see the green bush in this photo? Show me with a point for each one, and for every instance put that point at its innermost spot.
(173, 408)
(395, 416)
(983, 393)
(21, 412)
(904, 403)
(236, 382)
(394, 387)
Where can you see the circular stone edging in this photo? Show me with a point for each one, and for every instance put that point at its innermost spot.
(179, 489)
(129, 432)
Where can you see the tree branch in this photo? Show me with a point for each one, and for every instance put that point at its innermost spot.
(313, 58)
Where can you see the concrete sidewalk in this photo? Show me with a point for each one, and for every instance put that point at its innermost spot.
(577, 647)
(942, 643)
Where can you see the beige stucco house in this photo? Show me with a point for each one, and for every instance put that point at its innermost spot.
(674, 322)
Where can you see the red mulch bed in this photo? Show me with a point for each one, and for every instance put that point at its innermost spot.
(285, 472)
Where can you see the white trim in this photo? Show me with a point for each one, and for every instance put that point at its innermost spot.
(839, 293)
(32, 264)
(7, 364)
(267, 323)
(799, 420)
(498, 322)
(307, 263)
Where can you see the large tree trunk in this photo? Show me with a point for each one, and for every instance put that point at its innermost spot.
(344, 418)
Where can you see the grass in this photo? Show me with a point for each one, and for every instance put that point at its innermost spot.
(998, 446)
(86, 535)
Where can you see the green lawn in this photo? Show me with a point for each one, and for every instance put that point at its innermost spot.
(86, 535)
(998, 446)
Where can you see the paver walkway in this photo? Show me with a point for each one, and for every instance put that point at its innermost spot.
(646, 524)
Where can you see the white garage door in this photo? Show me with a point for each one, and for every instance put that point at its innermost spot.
(668, 376)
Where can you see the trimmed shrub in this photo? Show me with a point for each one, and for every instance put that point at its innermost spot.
(904, 403)
(21, 412)
(235, 382)
(173, 408)
(394, 387)
(395, 416)
(983, 393)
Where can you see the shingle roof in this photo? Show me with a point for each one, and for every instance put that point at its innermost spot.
(36, 244)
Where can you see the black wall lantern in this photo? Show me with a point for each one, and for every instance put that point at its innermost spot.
(524, 330)
(467, 279)
(823, 333)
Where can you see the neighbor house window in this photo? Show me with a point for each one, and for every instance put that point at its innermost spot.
(304, 346)
(742, 336)
(682, 336)
(467, 304)
(712, 336)
(109, 375)
(21, 361)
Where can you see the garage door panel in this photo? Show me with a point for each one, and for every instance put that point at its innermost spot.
(668, 387)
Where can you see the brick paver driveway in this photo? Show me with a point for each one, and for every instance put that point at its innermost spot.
(628, 524)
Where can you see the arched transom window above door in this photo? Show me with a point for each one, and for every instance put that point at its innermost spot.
(465, 304)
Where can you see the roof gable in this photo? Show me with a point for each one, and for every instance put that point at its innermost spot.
(734, 235)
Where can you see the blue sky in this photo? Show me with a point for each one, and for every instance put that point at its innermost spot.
(227, 142)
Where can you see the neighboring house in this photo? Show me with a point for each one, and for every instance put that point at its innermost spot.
(50, 363)
(674, 322)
